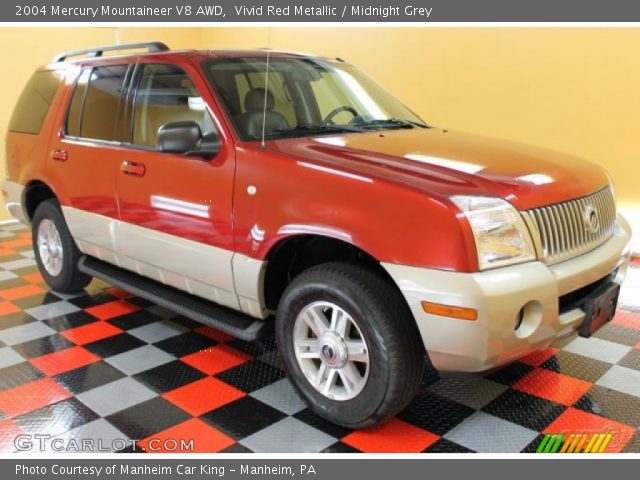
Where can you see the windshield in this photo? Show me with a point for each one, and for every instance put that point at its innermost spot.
(303, 96)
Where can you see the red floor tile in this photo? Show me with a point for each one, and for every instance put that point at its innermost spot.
(394, 436)
(33, 278)
(5, 252)
(8, 433)
(7, 307)
(203, 395)
(536, 359)
(64, 360)
(90, 333)
(112, 309)
(578, 421)
(216, 359)
(204, 438)
(627, 319)
(213, 333)
(553, 386)
(118, 292)
(20, 242)
(32, 396)
(20, 292)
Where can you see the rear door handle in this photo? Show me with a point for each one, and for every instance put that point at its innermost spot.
(60, 155)
(133, 168)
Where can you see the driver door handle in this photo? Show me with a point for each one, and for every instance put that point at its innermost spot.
(133, 168)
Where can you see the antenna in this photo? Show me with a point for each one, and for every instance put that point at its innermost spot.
(266, 91)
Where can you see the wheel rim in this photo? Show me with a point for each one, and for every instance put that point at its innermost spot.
(331, 350)
(50, 247)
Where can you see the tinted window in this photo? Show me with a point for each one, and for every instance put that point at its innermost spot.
(94, 111)
(33, 104)
(166, 94)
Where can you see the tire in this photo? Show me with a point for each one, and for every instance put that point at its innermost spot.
(382, 320)
(59, 267)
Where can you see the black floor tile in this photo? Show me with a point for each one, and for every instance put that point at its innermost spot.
(42, 346)
(132, 320)
(19, 374)
(119, 343)
(36, 300)
(442, 445)
(251, 375)
(510, 374)
(185, 344)
(577, 366)
(611, 404)
(169, 376)
(70, 320)
(148, 418)
(631, 359)
(87, 301)
(15, 319)
(310, 418)
(89, 377)
(435, 413)
(618, 334)
(340, 447)
(57, 418)
(523, 409)
(253, 415)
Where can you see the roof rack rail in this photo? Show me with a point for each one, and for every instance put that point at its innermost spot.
(98, 51)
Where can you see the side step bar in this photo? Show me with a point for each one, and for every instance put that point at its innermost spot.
(229, 321)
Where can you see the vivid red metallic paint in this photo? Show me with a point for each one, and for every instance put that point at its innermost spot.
(384, 192)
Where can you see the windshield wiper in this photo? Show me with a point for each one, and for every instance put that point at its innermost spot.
(309, 127)
(391, 122)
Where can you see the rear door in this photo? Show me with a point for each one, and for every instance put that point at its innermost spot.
(176, 210)
(83, 157)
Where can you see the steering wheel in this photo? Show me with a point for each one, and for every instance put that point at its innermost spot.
(328, 120)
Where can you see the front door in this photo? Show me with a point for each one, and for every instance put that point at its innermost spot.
(176, 210)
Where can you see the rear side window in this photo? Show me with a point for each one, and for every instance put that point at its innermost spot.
(95, 108)
(33, 104)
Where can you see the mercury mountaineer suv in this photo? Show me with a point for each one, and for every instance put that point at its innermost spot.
(238, 186)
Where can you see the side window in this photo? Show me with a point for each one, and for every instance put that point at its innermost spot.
(166, 94)
(33, 104)
(94, 111)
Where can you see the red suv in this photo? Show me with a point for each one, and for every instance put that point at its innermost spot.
(237, 186)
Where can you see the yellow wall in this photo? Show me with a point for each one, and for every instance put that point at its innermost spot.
(571, 89)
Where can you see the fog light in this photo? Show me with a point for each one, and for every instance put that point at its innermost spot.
(528, 319)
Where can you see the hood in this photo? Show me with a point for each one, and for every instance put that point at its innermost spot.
(450, 163)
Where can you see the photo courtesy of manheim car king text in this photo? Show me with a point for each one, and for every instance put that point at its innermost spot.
(316, 239)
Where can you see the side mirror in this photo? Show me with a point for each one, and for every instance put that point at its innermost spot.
(187, 139)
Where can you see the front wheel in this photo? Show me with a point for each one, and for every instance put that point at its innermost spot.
(349, 344)
(56, 252)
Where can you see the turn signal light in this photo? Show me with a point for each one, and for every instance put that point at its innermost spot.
(461, 313)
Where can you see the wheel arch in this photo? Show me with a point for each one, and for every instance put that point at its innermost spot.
(35, 192)
(296, 253)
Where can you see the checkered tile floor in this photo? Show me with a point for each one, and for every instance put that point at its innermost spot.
(105, 365)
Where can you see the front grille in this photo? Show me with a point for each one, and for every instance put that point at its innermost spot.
(568, 229)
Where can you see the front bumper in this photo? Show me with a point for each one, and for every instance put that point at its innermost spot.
(12, 194)
(499, 296)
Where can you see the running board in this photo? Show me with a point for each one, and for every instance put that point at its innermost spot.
(229, 321)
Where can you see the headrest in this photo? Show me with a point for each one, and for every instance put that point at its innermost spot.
(254, 100)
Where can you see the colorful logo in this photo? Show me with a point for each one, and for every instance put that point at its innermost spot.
(574, 442)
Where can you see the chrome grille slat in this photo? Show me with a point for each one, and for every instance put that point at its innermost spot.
(563, 231)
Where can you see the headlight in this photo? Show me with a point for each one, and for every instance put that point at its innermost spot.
(501, 236)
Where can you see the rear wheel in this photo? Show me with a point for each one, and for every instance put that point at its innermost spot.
(349, 344)
(55, 250)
